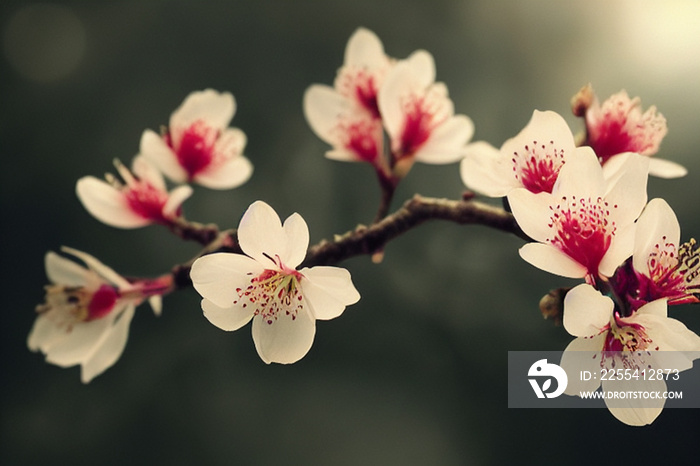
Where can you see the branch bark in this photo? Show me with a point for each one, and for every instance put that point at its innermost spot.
(371, 239)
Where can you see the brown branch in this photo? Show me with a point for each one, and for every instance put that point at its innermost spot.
(193, 231)
(370, 240)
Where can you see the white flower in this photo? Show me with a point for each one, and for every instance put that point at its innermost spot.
(530, 160)
(264, 286)
(346, 116)
(87, 313)
(142, 200)
(198, 146)
(646, 339)
(585, 226)
(419, 116)
(618, 126)
(665, 269)
(373, 90)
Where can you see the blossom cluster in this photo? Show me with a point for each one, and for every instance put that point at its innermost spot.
(580, 200)
(86, 316)
(585, 208)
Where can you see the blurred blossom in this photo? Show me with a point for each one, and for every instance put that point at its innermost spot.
(87, 313)
(198, 146)
(141, 200)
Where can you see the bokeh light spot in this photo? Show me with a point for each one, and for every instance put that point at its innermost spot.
(44, 42)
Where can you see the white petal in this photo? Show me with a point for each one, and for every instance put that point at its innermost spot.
(629, 191)
(636, 416)
(231, 142)
(669, 334)
(232, 173)
(228, 318)
(156, 303)
(101, 269)
(342, 155)
(586, 311)
(657, 308)
(214, 108)
(107, 204)
(657, 225)
(484, 170)
(323, 107)
(109, 349)
(285, 341)
(447, 142)
(619, 251)
(635, 411)
(666, 169)
(532, 212)
(580, 176)
(63, 271)
(396, 86)
(175, 199)
(328, 290)
(669, 358)
(216, 276)
(582, 354)
(43, 332)
(79, 343)
(422, 67)
(364, 49)
(156, 151)
(552, 260)
(297, 240)
(542, 128)
(260, 232)
(614, 167)
(147, 172)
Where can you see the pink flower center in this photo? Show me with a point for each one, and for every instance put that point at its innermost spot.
(146, 201)
(620, 126)
(102, 302)
(273, 293)
(419, 122)
(362, 138)
(612, 139)
(196, 149)
(68, 305)
(582, 230)
(537, 166)
(361, 86)
(623, 336)
(671, 274)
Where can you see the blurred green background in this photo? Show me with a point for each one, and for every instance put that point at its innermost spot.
(415, 373)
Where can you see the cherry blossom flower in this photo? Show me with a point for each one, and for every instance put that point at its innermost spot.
(141, 200)
(198, 146)
(373, 90)
(346, 115)
(646, 339)
(264, 286)
(585, 226)
(530, 160)
(87, 313)
(419, 116)
(619, 125)
(660, 266)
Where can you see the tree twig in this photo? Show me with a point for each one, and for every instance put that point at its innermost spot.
(367, 240)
